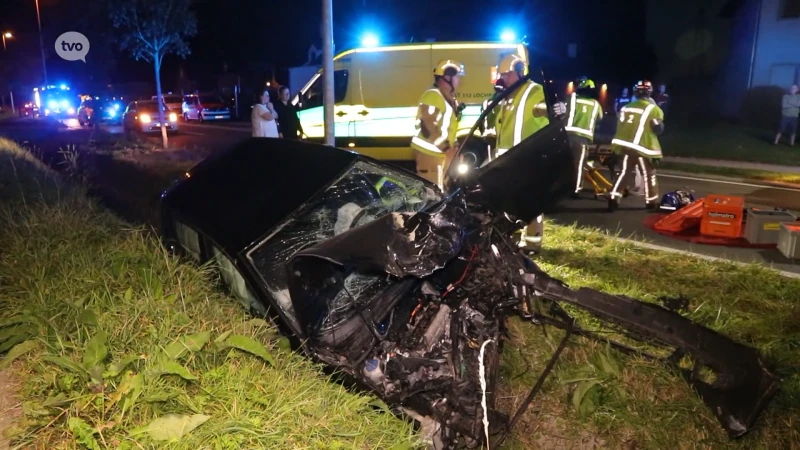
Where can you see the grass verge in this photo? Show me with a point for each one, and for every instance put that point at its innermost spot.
(601, 399)
(733, 172)
(729, 142)
(597, 399)
(119, 345)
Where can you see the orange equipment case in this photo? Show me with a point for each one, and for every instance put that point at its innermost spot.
(722, 216)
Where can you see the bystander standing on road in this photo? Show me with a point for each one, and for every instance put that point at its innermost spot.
(289, 125)
(790, 110)
(662, 99)
(621, 101)
(264, 118)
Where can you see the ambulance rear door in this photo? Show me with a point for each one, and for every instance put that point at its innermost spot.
(311, 111)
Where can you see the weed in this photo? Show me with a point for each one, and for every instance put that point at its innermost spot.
(121, 346)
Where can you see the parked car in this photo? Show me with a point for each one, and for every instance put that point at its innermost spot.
(173, 101)
(404, 291)
(142, 116)
(205, 107)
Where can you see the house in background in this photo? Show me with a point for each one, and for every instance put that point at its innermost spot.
(763, 59)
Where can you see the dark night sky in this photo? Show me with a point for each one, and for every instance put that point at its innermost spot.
(263, 33)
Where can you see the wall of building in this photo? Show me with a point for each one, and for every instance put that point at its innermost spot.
(734, 76)
(777, 59)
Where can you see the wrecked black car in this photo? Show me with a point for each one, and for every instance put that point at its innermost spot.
(405, 291)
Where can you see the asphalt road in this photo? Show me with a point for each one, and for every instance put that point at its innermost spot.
(586, 211)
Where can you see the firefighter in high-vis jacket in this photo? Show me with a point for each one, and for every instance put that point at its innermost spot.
(636, 145)
(437, 122)
(584, 113)
(522, 113)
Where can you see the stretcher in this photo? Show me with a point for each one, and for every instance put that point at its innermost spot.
(599, 156)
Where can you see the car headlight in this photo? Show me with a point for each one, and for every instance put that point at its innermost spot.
(173, 117)
(144, 118)
(52, 104)
(463, 168)
(71, 111)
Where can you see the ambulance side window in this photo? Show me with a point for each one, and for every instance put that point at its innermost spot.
(313, 97)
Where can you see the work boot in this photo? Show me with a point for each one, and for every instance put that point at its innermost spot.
(613, 204)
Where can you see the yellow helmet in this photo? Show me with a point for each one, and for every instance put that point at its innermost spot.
(512, 63)
(445, 64)
(585, 83)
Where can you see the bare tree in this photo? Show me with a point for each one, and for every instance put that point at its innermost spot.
(151, 29)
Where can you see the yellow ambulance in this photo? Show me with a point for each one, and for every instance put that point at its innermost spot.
(377, 90)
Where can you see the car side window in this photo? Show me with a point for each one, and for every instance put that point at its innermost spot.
(312, 97)
(131, 107)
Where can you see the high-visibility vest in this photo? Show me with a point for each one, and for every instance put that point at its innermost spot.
(446, 124)
(634, 130)
(583, 116)
(516, 121)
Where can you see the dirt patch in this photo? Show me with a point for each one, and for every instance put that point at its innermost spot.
(10, 409)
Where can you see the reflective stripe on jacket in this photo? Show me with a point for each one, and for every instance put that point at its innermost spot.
(583, 116)
(434, 137)
(515, 120)
(634, 130)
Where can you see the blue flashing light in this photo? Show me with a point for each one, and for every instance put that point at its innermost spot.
(369, 40)
(52, 104)
(63, 87)
(112, 112)
(508, 36)
(116, 106)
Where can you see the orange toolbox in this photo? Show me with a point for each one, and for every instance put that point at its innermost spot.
(722, 216)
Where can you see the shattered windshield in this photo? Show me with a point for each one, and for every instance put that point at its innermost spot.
(367, 192)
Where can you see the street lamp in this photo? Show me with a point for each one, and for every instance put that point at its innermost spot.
(6, 35)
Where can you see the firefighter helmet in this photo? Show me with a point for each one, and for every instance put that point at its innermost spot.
(643, 88)
(448, 65)
(585, 83)
(512, 63)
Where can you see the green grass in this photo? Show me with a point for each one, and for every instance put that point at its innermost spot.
(73, 269)
(728, 142)
(102, 313)
(646, 405)
(733, 172)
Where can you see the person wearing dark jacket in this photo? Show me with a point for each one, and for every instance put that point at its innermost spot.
(289, 123)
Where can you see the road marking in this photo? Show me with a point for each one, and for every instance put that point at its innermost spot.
(706, 257)
(737, 183)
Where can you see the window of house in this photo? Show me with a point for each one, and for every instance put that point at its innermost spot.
(790, 9)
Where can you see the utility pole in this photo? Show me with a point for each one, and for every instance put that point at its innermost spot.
(41, 42)
(327, 70)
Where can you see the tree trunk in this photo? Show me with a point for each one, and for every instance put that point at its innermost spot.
(157, 65)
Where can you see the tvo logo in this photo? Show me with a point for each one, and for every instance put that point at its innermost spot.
(72, 46)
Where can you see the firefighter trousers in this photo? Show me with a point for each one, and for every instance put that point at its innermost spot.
(628, 162)
(532, 235)
(580, 154)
